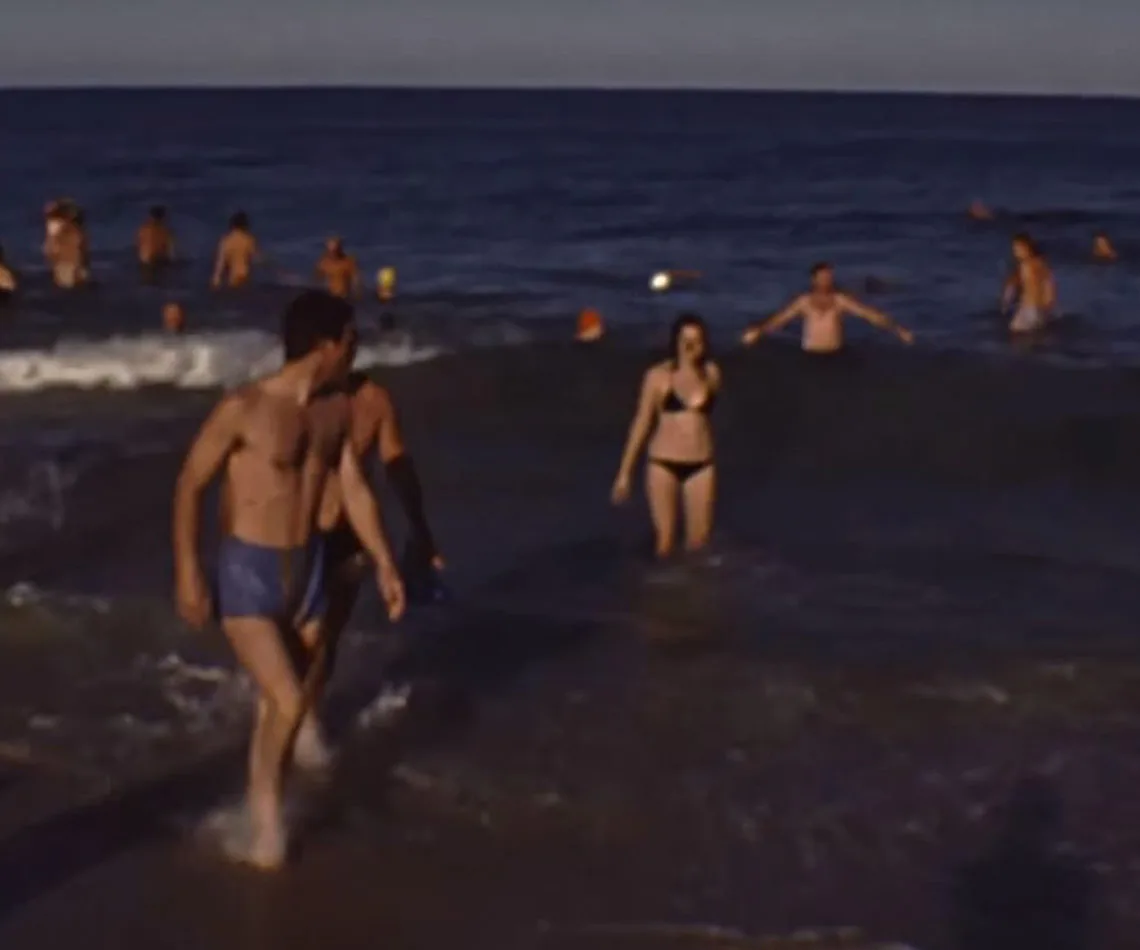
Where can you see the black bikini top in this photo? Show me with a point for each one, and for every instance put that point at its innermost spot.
(674, 403)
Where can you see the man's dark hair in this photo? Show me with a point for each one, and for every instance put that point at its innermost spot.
(239, 221)
(1028, 242)
(820, 267)
(314, 317)
(158, 212)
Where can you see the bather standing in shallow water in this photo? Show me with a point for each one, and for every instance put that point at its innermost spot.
(822, 310)
(1031, 287)
(276, 444)
(672, 416)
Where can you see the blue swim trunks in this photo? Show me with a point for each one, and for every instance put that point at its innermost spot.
(284, 584)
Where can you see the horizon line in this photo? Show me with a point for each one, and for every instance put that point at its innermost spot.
(572, 88)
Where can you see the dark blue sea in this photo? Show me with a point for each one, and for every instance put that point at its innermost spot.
(925, 584)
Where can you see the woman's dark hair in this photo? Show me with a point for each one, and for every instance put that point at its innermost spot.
(158, 212)
(239, 221)
(680, 325)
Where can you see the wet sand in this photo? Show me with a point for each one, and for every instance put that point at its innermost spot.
(903, 705)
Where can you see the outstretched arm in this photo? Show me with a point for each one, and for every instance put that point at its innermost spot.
(773, 323)
(638, 433)
(208, 453)
(874, 317)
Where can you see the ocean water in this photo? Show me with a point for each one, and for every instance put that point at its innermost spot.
(507, 212)
(923, 586)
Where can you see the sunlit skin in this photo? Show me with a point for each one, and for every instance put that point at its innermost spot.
(338, 270)
(680, 437)
(276, 444)
(1030, 286)
(237, 252)
(822, 310)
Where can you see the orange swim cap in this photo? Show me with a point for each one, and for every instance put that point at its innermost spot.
(173, 317)
(590, 326)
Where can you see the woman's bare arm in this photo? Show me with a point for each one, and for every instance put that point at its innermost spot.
(642, 424)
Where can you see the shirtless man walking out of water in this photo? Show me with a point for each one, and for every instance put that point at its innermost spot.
(155, 241)
(822, 310)
(1030, 286)
(375, 428)
(237, 250)
(338, 270)
(279, 442)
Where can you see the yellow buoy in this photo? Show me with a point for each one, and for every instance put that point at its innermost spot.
(386, 283)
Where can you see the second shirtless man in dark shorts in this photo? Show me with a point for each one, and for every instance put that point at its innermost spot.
(375, 428)
(279, 443)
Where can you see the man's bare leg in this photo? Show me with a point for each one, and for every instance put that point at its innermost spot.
(311, 751)
(259, 647)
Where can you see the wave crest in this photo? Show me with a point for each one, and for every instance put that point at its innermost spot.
(194, 361)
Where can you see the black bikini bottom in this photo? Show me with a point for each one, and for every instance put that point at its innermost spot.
(682, 471)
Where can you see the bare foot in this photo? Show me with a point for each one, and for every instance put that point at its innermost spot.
(268, 850)
(244, 841)
(310, 752)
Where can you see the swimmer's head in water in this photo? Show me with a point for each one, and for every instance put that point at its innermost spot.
(158, 213)
(1024, 247)
(318, 322)
(239, 221)
(1102, 246)
(173, 318)
(822, 276)
(688, 340)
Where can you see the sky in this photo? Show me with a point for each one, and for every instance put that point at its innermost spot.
(1030, 46)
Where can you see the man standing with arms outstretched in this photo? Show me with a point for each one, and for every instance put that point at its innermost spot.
(278, 443)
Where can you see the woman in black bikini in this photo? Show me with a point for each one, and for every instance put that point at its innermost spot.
(673, 417)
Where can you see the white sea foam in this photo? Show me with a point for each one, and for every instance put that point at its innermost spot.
(193, 361)
(39, 499)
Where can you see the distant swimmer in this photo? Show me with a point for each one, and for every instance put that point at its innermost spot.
(173, 318)
(278, 443)
(375, 432)
(591, 327)
(1030, 287)
(237, 251)
(9, 283)
(65, 245)
(822, 310)
(978, 211)
(1102, 250)
(677, 397)
(154, 241)
(338, 270)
